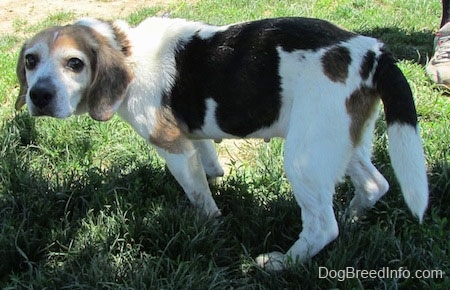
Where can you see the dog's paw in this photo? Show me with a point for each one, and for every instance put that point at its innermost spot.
(213, 170)
(274, 261)
(212, 212)
(354, 213)
(214, 180)
(214, 173)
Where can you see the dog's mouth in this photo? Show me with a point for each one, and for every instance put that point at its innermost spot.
(49, 110)
(40, 112)
(43, 100)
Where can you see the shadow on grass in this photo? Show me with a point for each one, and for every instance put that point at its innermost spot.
(41, 215)
(409, 45)
(439, 180)
(74, 226)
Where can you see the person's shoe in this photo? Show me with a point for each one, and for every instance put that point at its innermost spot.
(438, 68)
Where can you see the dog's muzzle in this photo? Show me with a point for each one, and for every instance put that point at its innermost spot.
(42, 95)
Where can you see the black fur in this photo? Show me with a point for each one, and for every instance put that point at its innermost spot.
(395, 92)
(367, 65)
(238, 69)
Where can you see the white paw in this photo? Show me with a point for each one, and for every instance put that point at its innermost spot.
(212, 212)
(274, 261)
(354, 212)
(214, 180)
(213, 170)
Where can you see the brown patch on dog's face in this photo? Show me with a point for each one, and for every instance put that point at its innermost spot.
(360, 106)
(166, 133)
(65, 41)
(335, 64)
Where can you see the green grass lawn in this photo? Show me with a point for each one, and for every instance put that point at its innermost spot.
(88, 205)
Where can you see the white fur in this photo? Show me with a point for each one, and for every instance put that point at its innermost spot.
(103, 28)
(407, 158)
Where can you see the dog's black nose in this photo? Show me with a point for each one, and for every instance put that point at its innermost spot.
(42, 93)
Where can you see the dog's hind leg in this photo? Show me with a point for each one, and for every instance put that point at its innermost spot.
(314, 162)
(209, 158)
(186, 166)
(369, 184)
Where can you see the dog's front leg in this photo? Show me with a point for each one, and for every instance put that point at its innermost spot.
(209, 158)
(186, 166)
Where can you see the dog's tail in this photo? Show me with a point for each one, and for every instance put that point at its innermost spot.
(405, 144)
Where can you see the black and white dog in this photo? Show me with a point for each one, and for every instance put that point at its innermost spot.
(181, 83)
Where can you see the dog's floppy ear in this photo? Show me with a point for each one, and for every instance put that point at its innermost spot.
(20, 71)
(111, 77)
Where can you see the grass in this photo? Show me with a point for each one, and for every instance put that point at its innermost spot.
(88, 205)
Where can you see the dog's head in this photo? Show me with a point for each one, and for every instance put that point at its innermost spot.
(74, 69)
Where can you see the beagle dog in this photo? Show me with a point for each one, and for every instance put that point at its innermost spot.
(181, 84)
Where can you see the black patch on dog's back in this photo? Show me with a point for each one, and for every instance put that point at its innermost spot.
(238, 69)
(367, 65)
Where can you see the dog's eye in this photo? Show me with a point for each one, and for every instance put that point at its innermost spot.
(75, 64)
(31, 61)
